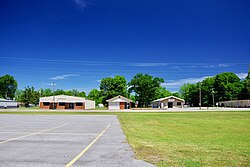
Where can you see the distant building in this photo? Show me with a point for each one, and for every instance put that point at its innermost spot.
(235, 103)
(168, 102)
(8, 103)
(66, 102)
(119, 103)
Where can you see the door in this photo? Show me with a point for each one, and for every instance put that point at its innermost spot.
(114, 105)
(122, 105)
(71, 106)
(170, 104)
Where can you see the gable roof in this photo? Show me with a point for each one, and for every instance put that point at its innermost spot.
(6, 100)
(119, 98)
(169, 97)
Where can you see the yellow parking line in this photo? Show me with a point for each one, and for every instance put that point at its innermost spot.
(86, 149)
(16, 138)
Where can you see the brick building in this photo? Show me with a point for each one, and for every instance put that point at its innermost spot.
(66, 102)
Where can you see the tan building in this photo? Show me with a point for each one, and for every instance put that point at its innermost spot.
(119, 103)
(168, 102)
(66, 102)
(235, 103)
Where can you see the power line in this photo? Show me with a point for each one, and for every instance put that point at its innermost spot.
(117, 62)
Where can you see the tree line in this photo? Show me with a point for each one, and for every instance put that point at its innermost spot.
(221, 87)
(142, 89)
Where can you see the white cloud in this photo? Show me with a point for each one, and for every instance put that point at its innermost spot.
(242, 75)
(61, 77)
(176, 68)
(180, 82)
(81, 3)
(50, 84)
(149, 64)
(211, 66)
(223, 65)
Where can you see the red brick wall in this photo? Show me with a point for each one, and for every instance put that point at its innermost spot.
(80, 107)
(42, 106)
(60, 107)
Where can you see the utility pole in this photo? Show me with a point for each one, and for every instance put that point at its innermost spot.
(200, 95)
(53, 86)
(213, 95)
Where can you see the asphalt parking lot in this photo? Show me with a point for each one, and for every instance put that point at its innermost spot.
(64, 140)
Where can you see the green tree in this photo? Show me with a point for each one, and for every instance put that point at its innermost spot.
(18, 95)
(227, 86)
(8, 86)
(146, 88)
(111, 87)
(176, 94)
(162, 92)
(245, 91)
(207, 89)
(190, 93)
(81, 94)
(59, 92)
(46, 92)
(95, 95)
(30, 96)
(132, 97)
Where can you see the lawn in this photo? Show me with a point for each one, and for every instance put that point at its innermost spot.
(189, 139)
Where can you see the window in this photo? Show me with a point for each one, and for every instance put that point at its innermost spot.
(178, 103)
(79, 104)
(61, 104)
(46, 103)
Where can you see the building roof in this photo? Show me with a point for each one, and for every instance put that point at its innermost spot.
(5, 100)
(119, 98)
(63, 98)
(169, 97)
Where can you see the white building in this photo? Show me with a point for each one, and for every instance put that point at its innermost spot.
(168, 102)
(235, 103)
(66, 102)
(119, 103)
(8, 103)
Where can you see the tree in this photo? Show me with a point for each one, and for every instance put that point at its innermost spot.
(46, 92)
(18, 95)
(162, 92)
(245, 91)
(59, 92)
(227, 86)
(145, 87)
(207, 88)
(30, 96)
(81, 94)
(8, 86)
(95, 95)
(190, 92)
(132, 97)
(111, 87)
(176, 94)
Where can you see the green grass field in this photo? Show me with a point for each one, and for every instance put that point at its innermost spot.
(189, 139)
(185, 138)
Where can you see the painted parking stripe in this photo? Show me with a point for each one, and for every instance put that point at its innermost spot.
(31, 134)
(86, 149)
(53, 133)
(10, 126)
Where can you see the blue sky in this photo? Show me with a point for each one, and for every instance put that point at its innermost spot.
(75, 43)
